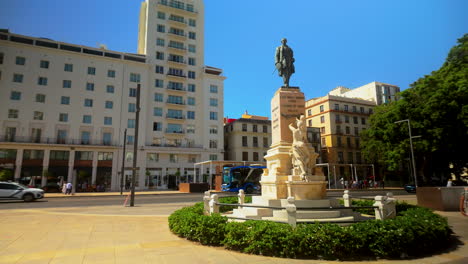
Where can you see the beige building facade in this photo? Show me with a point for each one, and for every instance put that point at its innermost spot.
(64, 107)
(247, 138)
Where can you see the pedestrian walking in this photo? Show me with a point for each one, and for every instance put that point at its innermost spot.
(69, 188)
(64, 188)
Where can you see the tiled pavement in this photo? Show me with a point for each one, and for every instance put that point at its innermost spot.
(117, 234)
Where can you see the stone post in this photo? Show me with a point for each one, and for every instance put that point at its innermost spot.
(347, 199)
(386, 207)
(241, 197)
(206, 203)
(214, 207)
(390, 206)
(292, 213)
(379, 212)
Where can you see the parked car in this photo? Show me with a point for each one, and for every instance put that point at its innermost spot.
(17, 191)
(411, 188)
(51, 187)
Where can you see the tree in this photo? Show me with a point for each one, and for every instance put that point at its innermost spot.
(6, 175)
(437, 105)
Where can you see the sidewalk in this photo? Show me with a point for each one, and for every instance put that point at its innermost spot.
(140, 234)
(87, 194)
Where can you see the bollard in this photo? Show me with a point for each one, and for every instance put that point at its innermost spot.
(390, 206)
(379, 212)
(206, 203)
(214, 207)
(241, 196)
(347, 199)
(292, 213)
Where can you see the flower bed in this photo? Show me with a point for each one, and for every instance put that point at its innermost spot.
(414, 232)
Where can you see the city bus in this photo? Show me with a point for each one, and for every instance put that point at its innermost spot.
(245, 178)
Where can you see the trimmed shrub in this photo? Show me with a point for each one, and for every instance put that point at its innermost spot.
(415, 231)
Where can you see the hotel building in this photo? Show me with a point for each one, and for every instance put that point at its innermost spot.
(64, 107)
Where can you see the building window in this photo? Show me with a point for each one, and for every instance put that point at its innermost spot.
(363, 120)
(192, 48)
(346, 108)
(350, 157)
(130, 140)
(192, 35)
(354, 109)
(338, 129)
(213, 143)
(110, 88)
(109, 104)
(337, 119)
(157, 111)
(131, 123)
(213, 115)
(85, 138)
(160, 42)
(337, 107)
(159, 83)
(309, 122)
(172, 99)
(321, 108)
(265, 129)
(348, 130)
(361, 109)
(324, 142)
(161, 28)
(322, 130)
(358, 157)
(173, 158)
(191, 61)
(132, 92)
(161, 15)
(355, 120)
(63, 117)
(159, 55)
(68, 67)
(1, 57)
(339, 143)
(265, 142)
(213, 130)
(12, 113)
(340, 157)
(191, 129)
(357, 142)
(38, 115)
(42, 81)
(192, 22)
(346, 119)
(18, 78)
(158, 97)
(255, 142)
(213, 157)
(88, 102)
(106, 140)
(65, 100)
(245, 156)
(135, 77)
(370, 113)
(131, 108)
(213, 89)
(348, 142)
(107, 120)
(89, 86)
(254, 128)
(244, 141)
(190, 114)
(111, 73)
(356, 131)
(14, 95)
(87, 119)
(191, 100)
(191, 74)
(91, 71)
(67, 84)
(309, 112)
(322, 119)
(44, 64)
(152, 157)
(244, 127)
(20, 60)
(213, 102)
(40, 98)
(157, 126)
(159, 69)
(61, 137)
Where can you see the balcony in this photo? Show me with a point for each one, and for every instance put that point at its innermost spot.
(177, 22)
(60, 141)
(176, 75)
(176, 89)
(180, 36)
(182, 49)
(179, 6)
(168, 145)
(174, 131)
(181, 103)
(177, 62)
(177, 117)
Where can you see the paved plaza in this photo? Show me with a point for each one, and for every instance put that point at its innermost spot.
(117, 234)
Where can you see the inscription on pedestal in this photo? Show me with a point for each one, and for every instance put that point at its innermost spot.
(286, 105)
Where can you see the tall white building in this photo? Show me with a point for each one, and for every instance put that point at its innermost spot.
(64, 107)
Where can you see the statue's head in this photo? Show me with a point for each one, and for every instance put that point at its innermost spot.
(284, 41)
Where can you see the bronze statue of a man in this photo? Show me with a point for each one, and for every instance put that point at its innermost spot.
(284, 61)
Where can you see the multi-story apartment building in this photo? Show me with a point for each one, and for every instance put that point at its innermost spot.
(64, 107)
(341, 116)
(247, 138)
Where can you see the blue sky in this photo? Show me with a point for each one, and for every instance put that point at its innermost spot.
(335, 42)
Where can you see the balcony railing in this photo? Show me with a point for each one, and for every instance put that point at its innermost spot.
(54, 140)
(176, 102)
(167, 145)
(176, 75)
(175, 88)
(180, 117)
(177, 5)
(175, 131)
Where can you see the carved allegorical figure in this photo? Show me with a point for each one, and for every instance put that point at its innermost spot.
(300, 152)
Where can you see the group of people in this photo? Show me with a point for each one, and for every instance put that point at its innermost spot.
(67, 188)
(361, 184)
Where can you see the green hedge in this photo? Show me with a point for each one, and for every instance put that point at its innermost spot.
(414, 231)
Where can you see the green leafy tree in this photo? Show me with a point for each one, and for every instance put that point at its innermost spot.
(6, 175)
(437, 106)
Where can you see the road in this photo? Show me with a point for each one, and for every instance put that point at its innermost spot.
(154, 199)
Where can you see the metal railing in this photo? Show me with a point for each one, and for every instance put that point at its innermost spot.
(61, 141)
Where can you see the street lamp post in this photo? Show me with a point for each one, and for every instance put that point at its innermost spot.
(123, 163)
(135, 146)
(411, 146)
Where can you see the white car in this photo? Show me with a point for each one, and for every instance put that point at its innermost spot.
(13, 190)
